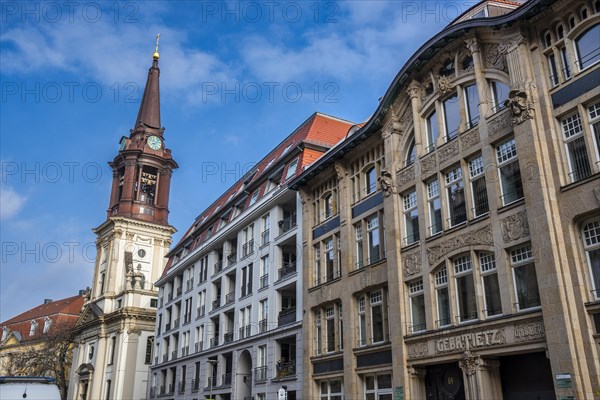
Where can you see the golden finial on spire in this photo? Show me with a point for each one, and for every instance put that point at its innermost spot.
(156, 56)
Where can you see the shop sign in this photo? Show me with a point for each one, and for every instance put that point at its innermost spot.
(564, 381)
(471, 340)
(399, 393)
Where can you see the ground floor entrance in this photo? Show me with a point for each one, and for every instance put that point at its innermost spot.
(526, 376)
(444, 382)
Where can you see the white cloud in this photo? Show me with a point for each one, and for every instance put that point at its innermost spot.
(11, 202)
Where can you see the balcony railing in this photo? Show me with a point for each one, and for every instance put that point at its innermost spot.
(171, 389)
(176, 324)
(218, 267)
(246, 289)
(189, 284)
(287, 224)
(200, 311)
(212, 382)
(169, 297)
(153, 392)
(262, 325)
(260, 374)
(226, 379)
(264, 237)
(286, 316)
(264, 281)
(228, 337)
(287, 270)
(229, 298)
(195, 385)
(216, 304)
(179, 290)
(231, 259)
(248, 248)
(199, 346)
(165, 357)
(162, 390)
(174, 355)
(286, 368)
(214, 342)
(181, 386)
(244, 331)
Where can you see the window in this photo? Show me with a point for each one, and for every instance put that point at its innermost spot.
(102, 279)
(499, 95)
(411, 218)
(374, 248)
(548, 39)
(442, 297)
(291, 169)
(330, 261)
(510, 175)
(472, 105)
(318, 333)
(579, 163)
(560, 32)
(5, 332)
(33, 328)
(340, 326)
(362, 322)
(246, 288)
(328, 204)
(478, 187)
(331, 389)
(432, 131)
(263, 315)
(248, 240)
(318, 277)
(264, 272)
(456, 197)
(553, 70)
(465, 289)
(266, 224)
(564, 57)
(526, 286)
(411, 153)
(262, 363)
(435, 207)
(417, 305)
(378, 387)
(491, 288)
(591, 243)
(47, 324)
(330, 329)
(203, 269)
(377, 329)
(254, 197)
(594, 112)
(359, 246)
(451, 117)
(587, 47)
(370, 180)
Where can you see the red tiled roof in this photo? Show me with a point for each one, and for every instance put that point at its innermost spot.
(68, 306)
(319, 130)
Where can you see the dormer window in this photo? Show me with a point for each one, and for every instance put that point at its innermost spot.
(33, 328)
(4, 333)
(254, 197)
(291, 169)
(47, 324)
(287, 148)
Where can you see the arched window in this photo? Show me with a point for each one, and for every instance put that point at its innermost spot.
(560, 32)
(591, 244)
(587, 47)
(411, 153)
(571, 22)
(548, 39)
(584, 13)
(448, 68)
(33, 328)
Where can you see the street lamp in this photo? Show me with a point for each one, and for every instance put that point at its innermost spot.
(212, 364)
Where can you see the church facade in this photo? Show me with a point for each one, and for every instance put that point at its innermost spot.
(114, 335)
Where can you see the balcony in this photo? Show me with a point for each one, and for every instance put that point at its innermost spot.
(167, 327)
(185, 351)
(262, 325)
(216, 304)
(176, 324)
(229, 298)
(200, 311)
(169, 297)
(174, 355)
(287, 270)
(153, 392)
(286, 316)
(189, 284)
(260, 374)
(218, 267)
(179, 290)
(287, 224)
(212, 382)
(199, 346)
(195, 385)
(264, 281)
(244, 331)
(165, 358)
(228, 337)
(162, 390)
(181, 387)
(286, 368)
(214, 342)
(248, 248)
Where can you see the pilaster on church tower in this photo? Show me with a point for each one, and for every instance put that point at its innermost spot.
(143, 167)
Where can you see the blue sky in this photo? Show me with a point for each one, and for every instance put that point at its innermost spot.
(236, 78)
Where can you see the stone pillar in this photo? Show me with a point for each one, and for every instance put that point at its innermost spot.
(482, 84)
(481, 377)
(414, 92)
(416, 386)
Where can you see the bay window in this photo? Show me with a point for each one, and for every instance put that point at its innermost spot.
(499, 93)
(587, 47)
(432, 131)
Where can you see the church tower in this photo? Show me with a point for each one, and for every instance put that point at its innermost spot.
(114, 335)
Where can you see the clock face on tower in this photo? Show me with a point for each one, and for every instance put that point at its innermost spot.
(154, 142)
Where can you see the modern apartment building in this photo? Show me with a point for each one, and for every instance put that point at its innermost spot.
(229, 318)
(452, 242)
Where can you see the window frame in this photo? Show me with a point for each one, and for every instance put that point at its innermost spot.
(523, 263)
(592, 244)
(504, 163)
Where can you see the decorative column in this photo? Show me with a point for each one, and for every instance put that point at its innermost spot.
(481, 377)
(414, 92)
(482, 85)
(417, 388)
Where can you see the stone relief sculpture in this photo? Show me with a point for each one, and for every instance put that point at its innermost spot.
(520, 106)
(386, 182)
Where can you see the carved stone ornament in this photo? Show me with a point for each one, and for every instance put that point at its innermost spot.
(406, 175)
(469, 363)
(481, 236)
(414, 90)
(386, 182)
(472, 45)
(499, 124)
(448, 151)
(429, 164)
(368, 279)
(530, 332)
(445, 84)
(515, 227)
(412, 264)
(340, 170)
(469, 138)
(495, 57)
(303, 196)
(521, 107)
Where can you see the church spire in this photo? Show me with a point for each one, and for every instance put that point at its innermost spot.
(149, 114)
